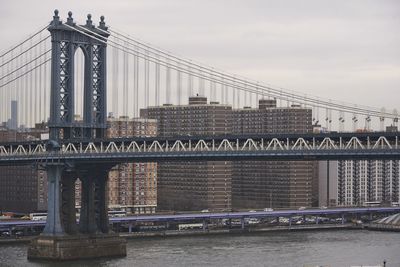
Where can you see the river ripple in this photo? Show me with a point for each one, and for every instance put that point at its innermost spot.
(326, 248)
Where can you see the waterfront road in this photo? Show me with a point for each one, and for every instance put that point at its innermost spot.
(339, 212)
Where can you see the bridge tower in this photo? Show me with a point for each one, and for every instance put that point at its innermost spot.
(66, 40)
(62, 237)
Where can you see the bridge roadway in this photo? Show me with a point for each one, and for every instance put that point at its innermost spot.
(322, 146)
(224, 215)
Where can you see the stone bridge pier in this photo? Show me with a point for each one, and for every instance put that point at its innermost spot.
(65, 238)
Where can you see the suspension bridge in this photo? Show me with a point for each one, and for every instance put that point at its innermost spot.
(68, 79)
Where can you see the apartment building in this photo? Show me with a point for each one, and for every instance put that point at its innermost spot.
(22, 188)
(225, 185)
(283, 184)
(132, 186)
(196, 185)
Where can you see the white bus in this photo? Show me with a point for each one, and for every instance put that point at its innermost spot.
(116, 213)
(372, 204)
(39, 216)
(190, 226)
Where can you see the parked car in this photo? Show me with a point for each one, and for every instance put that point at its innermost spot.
(6, 233)
(268, 209)
(19, 233)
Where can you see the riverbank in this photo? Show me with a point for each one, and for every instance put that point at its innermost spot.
(236, 231)
(176, 233)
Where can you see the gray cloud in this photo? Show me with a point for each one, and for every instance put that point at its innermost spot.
(345, 50)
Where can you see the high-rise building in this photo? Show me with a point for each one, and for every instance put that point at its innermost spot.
(241, 184)
(196, 185)
(259, 184)
(357, 182)
(22, 188)
(133, 186)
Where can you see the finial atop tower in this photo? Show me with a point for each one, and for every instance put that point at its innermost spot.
(70, 20)
(89, 21)
(102, 24)
(56, 18)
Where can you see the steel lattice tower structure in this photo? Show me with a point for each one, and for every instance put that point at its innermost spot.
(65, 42)
(62, 236)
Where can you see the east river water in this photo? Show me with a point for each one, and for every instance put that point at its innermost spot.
(311, 248)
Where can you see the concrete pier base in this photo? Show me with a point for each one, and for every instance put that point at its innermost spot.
(61, 248)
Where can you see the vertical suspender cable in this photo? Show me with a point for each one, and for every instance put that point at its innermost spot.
(190, 82)
(233, 96)
(168, 83)
(157, 85)
(115, 80)
(136, 85)
(125, 83)
(7, 93)
(31, 93)
(26, 95)
(8, 89)
(27, 92)
(4, 90)
(222, 88)
(226, 92)
(46, 83)
(179, 86)
(212, 91)
(246, 96)
(40, 116)
(201, 84)
(36, 91)
(146, 82)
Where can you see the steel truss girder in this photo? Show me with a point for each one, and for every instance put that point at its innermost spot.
(181, 146)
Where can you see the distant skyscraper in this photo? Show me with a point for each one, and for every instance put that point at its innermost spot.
(12, 123)
(14, 115)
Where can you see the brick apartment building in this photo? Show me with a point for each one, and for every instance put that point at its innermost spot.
(22, 188)
(223, 185)
(132, 186)
(193, 185)
(259, 184)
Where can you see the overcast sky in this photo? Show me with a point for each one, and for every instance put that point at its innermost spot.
(346, 50)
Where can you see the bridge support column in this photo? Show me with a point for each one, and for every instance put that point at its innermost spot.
(68, 203)
(94, 211)
(101, 202)
(87, 220)
(53, 222)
